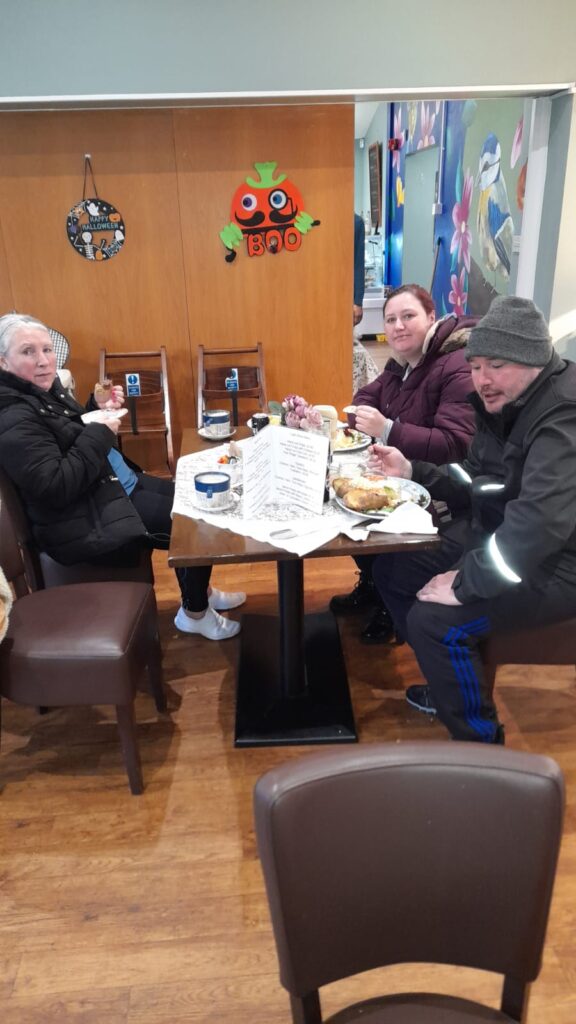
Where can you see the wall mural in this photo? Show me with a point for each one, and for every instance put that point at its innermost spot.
(483, 195)
(268, 212)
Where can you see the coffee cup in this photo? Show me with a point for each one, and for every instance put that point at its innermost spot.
(217, 422)
(213, 491)
(350, 411)
(258, 420)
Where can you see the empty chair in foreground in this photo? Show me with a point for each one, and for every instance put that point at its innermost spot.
(408, 853)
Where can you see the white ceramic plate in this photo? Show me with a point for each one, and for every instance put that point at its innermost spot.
(95, 415)
(220, 437)
(360, 441)
(409, 491)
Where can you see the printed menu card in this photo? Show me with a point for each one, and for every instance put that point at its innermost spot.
(281, 465)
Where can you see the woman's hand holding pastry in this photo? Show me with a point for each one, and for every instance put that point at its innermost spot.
(109, 396)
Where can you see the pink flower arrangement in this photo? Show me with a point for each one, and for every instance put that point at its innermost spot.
(427, 119)
(462, 237)
(458, 297)
(298, 414)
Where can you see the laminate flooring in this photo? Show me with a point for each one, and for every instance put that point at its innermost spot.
(117, 909)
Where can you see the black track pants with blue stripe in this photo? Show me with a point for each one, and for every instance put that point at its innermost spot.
(446, 638)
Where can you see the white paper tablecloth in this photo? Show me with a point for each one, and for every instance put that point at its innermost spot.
(288, 527)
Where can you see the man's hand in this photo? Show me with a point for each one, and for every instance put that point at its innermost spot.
(439, 590)
(357, 314)
(369, 420)
(389, 461)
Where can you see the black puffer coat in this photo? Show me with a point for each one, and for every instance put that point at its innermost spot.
(520, 496)
(77, 508)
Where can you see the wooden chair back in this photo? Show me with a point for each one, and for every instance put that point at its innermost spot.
(215, 365)
(18, 553)
(149, 411)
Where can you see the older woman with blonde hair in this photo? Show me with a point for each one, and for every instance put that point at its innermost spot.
(85, 502)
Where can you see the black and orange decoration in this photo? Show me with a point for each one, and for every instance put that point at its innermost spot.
(94, 227)
(269, 213)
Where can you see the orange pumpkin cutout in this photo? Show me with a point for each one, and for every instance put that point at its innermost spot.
(268, 212)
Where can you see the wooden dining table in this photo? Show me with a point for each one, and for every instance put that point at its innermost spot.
(292, 686)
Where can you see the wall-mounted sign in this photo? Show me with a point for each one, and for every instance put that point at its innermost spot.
(269, 213)
(95, 229)
(133, 389)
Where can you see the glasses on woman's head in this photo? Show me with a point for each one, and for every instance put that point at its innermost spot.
(404, 318)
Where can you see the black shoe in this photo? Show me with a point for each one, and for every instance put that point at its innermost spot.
(364, 595)
(420, 697)
(499, 736)
(380, 629)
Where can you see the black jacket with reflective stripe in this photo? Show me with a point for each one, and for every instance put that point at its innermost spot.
(530, 448)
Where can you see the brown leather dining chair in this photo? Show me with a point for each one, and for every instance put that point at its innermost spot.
(43, 571)
(554, 644)
(84, 643)
(215, 365)
(409, 853)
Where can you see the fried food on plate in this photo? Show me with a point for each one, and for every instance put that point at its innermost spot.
(358, 499)
(342, 484)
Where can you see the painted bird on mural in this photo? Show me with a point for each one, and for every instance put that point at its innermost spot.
(495, 225)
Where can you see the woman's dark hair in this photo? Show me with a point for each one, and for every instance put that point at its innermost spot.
(419, 293)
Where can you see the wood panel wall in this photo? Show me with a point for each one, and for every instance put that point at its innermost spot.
(172, 175)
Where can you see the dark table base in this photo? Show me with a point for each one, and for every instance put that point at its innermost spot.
(322, 713)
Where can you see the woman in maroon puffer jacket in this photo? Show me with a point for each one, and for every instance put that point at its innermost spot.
(419, 404)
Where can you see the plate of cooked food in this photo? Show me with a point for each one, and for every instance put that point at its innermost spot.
(375, 497)
(348, 440)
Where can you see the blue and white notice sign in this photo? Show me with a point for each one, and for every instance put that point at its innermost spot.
(133, 385)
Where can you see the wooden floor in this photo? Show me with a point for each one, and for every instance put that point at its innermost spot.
(150, 910)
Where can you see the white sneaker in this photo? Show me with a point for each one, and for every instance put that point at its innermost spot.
(221, 601)
(211, 625)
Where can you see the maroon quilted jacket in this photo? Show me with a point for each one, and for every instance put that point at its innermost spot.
(433, 419)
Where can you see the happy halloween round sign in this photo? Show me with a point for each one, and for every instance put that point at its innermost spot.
(95, 229)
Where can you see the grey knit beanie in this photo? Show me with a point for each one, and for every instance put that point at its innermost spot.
(513, 329)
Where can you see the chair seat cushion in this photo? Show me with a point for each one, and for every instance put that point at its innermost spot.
(419, 1008)
(79, 643)
(553, 644)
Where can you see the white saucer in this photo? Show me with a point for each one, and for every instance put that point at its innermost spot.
(210, 437)
(235, 498)
(110, 414)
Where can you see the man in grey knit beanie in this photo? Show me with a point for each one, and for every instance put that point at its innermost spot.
(513, 329)
(507, 560)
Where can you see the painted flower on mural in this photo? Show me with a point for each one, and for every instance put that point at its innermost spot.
(462, 237)
(399, 138)
(458, 297)
(412, 119)
(517, 143)
(399, 192)
(427, 119)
